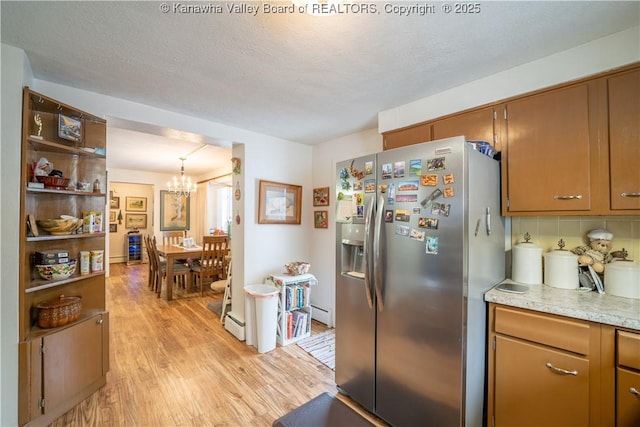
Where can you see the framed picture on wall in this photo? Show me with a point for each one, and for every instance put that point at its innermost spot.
(113, 228)
(174, 211)
(112, 216)
(136, 221)
(136, 204)
(114, 202)
(321, 219)
(279, 203)
(321, 196)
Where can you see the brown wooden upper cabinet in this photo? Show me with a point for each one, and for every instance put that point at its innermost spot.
(572, 149)
(476, 125)
(547, 156)
(407, 136)
(624, 139)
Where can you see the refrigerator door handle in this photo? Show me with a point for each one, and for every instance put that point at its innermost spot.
(378, 267)
(368, 223)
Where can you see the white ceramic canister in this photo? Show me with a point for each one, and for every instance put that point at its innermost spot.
(561, 269)
(97, 260)
(84, 262)
(622, 278)
(526, 263)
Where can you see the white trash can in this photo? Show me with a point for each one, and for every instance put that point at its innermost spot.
(261, 316)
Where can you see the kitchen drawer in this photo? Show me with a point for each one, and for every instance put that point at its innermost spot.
(628, 349)
(627, 398)
(560, 332)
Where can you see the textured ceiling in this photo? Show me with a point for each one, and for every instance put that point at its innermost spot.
(290, 75)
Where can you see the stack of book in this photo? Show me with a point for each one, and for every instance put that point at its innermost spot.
(296, 296)
(298, 323)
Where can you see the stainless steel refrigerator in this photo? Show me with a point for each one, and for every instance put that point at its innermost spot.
(419, 240)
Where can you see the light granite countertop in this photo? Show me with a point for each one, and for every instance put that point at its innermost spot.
(592, 306)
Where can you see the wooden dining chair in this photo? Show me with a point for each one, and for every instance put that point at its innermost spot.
(147, 246)
(181, 271)
(172, 237)
(212, 264)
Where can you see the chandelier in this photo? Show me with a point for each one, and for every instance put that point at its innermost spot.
(182, 186)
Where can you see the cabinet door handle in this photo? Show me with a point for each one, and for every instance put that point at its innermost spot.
(569, 197)
(629, 194)
(99, 321)
(561, 371)
(634, 390)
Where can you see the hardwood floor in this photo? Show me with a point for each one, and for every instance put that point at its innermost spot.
(174, 364)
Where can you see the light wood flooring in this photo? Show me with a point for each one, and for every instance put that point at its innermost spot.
(174, 364)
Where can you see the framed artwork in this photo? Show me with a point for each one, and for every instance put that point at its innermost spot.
(321, 196)
(174, 211)
(321, 219)
(135, 220)
(69, 128)
(112, 216)
(279, 203)
(136, 204)
(113, 228)
(114, 202)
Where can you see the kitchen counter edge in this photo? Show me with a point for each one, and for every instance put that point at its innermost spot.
(591, 306)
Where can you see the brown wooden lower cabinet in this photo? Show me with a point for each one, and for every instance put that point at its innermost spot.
(550, 370)
(538, 386)
(62, 368)
(627, 379)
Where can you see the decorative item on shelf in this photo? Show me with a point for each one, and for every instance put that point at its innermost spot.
(96, 186)
(59, 312)
(69, 128)
(84, 187)
(37, 119)
(60, 271)
(297, 268)
(32, 226)
(60, 226)
(183, 186)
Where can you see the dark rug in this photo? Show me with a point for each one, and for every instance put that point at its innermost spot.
(323, 411)
(215, 306)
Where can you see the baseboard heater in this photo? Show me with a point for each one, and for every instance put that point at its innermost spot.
(234, 324)
(322, 315)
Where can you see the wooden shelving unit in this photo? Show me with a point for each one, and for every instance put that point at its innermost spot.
(60, 366)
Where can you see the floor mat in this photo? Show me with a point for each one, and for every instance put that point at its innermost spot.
(322, 347)
(215, 306)
(322, 411)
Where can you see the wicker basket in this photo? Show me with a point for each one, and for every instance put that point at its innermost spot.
(53, 182)
(59, 312)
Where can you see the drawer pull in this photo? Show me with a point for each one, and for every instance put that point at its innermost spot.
(634, 390)
(630, 194)
(569, 197)
(561, 371)
(99, 321)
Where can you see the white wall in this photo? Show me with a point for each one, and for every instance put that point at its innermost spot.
(325, 157)
(16, 72)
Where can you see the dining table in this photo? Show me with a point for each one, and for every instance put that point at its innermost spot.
(173, 252)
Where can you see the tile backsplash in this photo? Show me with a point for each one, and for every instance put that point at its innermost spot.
(545, 231)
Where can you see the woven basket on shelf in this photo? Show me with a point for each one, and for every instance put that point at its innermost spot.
(59, 312)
